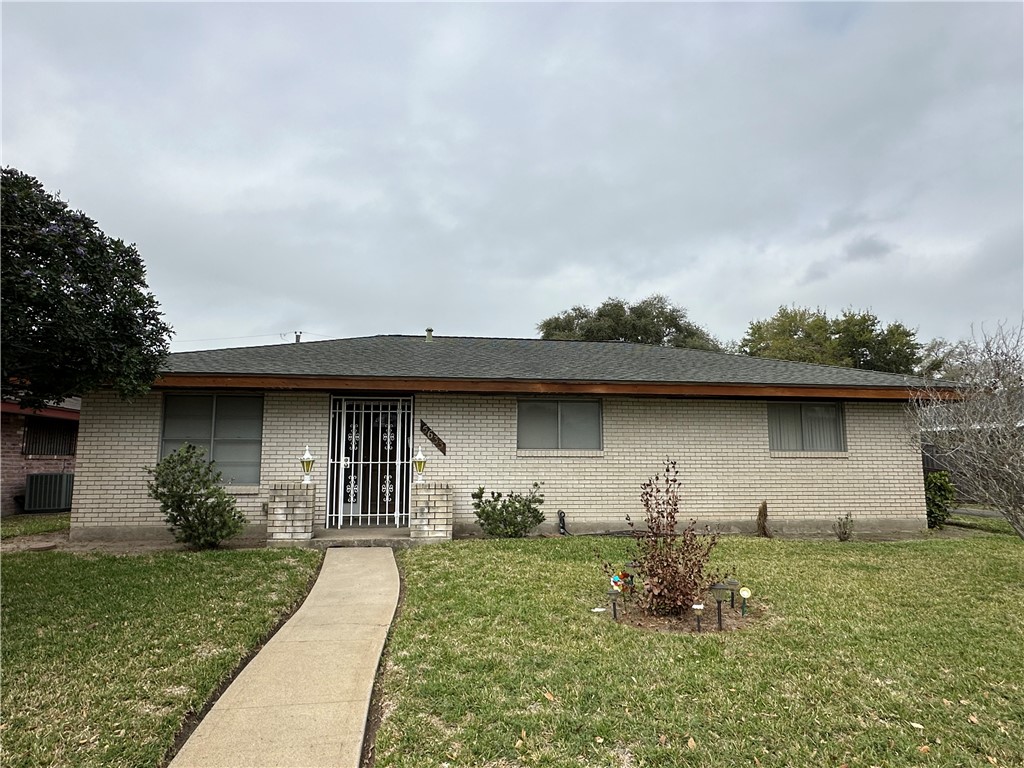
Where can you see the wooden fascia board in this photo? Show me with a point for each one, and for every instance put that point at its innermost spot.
(467, 386)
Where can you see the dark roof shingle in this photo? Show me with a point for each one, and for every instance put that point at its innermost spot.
(457, 358)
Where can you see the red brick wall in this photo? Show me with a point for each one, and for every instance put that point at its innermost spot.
(14, 465)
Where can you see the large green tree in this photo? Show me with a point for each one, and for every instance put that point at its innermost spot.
(853, 339)
(77, 313)
(654, 320)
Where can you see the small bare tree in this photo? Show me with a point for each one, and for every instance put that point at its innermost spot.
(975, 421)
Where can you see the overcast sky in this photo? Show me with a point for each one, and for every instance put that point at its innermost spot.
(354, 169)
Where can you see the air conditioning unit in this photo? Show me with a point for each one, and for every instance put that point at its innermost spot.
(48, 492)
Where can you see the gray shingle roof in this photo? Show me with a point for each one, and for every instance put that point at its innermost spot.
(517, 360)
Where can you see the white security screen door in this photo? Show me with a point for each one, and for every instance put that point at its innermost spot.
(369, 470)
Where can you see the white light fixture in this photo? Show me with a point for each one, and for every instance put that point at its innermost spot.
(307, 466)
(419, 464)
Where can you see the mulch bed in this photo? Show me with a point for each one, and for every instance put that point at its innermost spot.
(732, 619)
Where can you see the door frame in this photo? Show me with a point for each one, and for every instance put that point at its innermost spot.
(369, 472)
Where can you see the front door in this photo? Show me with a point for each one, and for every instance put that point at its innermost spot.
(369, 472)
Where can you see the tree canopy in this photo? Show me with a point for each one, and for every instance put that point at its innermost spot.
(853, 339)
(77, 313)
(654, 320)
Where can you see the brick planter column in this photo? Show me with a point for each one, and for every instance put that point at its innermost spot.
(430, 518)
(290, 514)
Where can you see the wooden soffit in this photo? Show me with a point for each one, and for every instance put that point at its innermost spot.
(507, 386)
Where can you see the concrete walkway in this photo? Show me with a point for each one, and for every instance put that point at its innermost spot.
(303, 699)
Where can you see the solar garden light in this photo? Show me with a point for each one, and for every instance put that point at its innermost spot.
(733, 584)
(698, 610)
(307, 466)
(744, 593)
(419, 464)
(719, 590)
(613, 595)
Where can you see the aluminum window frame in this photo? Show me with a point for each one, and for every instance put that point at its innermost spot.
(209, 444)
(558, 402)
(840, 426)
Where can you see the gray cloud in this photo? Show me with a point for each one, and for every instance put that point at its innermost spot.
(364, 168)
(867, 248)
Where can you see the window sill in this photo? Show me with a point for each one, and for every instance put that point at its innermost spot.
(47, 456)
(809, 454)
(528, 453)
(242, 490)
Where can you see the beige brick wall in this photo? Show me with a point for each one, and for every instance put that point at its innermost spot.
(117, 440)
(721, 447)
(291, 420)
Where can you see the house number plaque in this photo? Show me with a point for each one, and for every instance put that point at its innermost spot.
(433, 437)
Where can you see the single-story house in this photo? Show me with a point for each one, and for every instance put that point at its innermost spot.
(589, 420)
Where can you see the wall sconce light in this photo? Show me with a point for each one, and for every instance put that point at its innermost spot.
(419, 464)
(719, 590)
(307, 466)
(698, 611)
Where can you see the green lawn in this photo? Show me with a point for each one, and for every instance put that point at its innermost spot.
(23, 525)
(867, 654)
(103, 656)
(979, 523)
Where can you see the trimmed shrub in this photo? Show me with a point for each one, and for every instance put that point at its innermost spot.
(671, 566)
(509, 517)
(939, 498)
(195, 505)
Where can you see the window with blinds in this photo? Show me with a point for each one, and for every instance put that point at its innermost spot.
(228, 427)
(559, 425)
(816, 427)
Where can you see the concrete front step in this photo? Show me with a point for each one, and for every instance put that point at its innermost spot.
(396, 538)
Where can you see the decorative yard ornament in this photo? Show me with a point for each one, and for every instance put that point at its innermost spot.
(307, 466)
(419, 464)
(698, 611)
(623, 581)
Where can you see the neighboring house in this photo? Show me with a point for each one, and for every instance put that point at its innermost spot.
(35, 443)
(590, 420)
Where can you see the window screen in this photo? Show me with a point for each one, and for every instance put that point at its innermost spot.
(228, 427)
(559, 424)
(806, 427)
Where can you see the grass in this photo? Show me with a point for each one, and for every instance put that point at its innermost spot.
(25, 525)
(866, 654)
(104, 656)
(978, 523)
